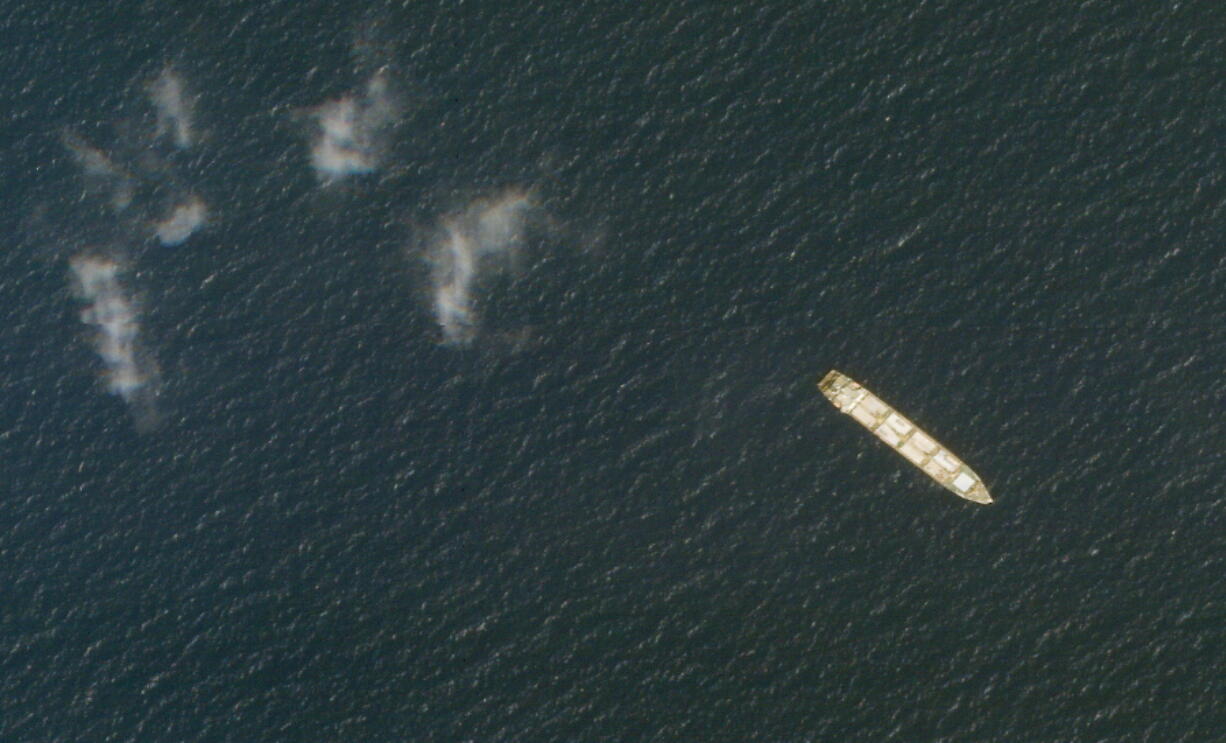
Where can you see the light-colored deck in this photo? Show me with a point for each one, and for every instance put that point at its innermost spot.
(903, 436)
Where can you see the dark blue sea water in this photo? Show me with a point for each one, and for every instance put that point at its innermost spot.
(624, 513)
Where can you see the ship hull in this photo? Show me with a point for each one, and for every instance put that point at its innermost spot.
(903, 436)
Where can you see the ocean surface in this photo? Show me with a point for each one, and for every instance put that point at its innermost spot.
(616, 508)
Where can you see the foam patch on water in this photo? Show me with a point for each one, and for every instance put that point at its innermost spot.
(114, 317)
(101, 171)
(352, 130)
(472, 246)
(174, 109)
(184, 219)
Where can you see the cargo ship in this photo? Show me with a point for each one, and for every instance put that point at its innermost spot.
(903, 436)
